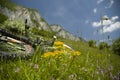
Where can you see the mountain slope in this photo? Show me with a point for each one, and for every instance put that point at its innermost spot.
(32, 16)
(63, 33)
(34, 19)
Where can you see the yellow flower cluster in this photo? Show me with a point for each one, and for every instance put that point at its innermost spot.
(48, 54)
(61, 49)
(76, 53)
(58, 43)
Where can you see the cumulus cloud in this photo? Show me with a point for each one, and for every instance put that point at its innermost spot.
(95, 10)
(114, 18)
(110, 25)
(96, 24)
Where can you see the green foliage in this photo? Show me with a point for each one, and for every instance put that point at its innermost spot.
(92, 43)
(103, 45)
(42, 19)
(46, 33)
(43, 33)
(2, 18)
(116, 46)
(14, 26)
(8, 4)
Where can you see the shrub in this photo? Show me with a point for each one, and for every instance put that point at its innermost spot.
(3, 18)
(116, 46)
(15, 26)
(92, 43)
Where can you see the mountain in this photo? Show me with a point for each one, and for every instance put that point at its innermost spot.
(63, 33)
(34, 19)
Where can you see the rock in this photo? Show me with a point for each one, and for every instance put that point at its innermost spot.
(63, 33)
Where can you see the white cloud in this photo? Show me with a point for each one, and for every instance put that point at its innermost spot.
(110, 25)
(95, 10)
(110, 4)
(99, 1)
(107, 22)
(114, 18)
(96, 24)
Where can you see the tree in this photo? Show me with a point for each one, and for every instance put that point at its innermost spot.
(116, 46)
(103, 45)
(92, 43)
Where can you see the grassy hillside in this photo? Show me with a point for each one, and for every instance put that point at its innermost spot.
(90, 64)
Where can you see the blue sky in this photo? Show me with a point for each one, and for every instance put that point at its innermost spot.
(80, 17)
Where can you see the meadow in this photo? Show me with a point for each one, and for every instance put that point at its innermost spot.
(59, 63)
(81, 63)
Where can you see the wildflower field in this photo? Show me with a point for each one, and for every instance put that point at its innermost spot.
(63, 63)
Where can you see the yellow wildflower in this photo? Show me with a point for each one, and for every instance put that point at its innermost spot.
(60, 49)
(47, 54)
(58, 43)
(76, 53)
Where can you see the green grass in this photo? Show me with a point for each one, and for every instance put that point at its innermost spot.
(92, 64)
